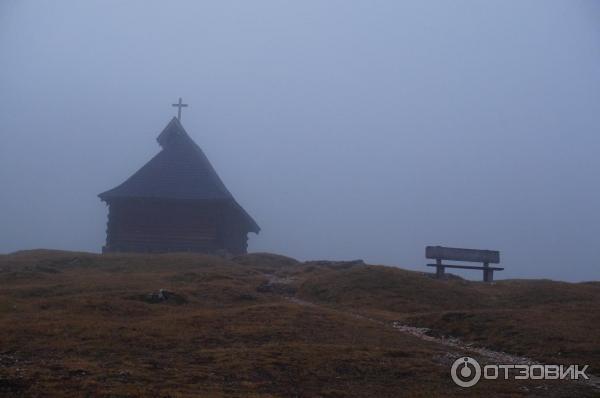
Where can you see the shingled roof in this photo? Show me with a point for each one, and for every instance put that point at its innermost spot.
(180, 171)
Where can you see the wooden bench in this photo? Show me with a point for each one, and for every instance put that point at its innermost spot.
(487, 257)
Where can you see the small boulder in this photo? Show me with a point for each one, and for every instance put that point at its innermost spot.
(163, 296)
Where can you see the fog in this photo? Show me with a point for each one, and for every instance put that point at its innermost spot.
(346, 129)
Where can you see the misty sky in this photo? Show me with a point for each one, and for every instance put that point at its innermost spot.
(347, 129)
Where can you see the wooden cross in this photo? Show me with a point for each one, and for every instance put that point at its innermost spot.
(179, 106)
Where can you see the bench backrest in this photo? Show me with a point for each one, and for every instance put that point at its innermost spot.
(456, 254)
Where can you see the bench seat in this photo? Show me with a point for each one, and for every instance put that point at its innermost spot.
(441, 253)
(465, 266)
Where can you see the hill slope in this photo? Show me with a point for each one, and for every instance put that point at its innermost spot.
(265, 325)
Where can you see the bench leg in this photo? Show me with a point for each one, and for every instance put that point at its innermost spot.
(439, 268)
(439, 273)
(488, 275)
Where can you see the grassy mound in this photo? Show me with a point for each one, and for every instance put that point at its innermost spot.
(263, 325)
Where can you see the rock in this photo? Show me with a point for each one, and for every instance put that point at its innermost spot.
(162, 296)
(336, 264)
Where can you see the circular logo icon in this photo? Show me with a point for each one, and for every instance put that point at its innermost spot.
(465, 372)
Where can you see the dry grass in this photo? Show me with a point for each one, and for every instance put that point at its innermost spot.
(554, 322)
(78, 324)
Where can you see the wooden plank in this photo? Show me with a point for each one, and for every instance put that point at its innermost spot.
(465, 266)
(457, 254)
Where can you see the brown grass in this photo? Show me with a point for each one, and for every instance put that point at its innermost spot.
(78, 324)
(554, 322)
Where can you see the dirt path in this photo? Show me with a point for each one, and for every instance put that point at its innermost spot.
(496, 357)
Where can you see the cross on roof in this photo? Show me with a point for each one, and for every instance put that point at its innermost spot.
(179, 105)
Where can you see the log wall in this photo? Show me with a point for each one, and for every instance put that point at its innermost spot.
(137, 225)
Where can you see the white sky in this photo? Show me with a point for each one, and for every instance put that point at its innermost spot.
(348, 129)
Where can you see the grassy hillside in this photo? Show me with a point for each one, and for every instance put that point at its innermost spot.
(553, 322)
(263, 325)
